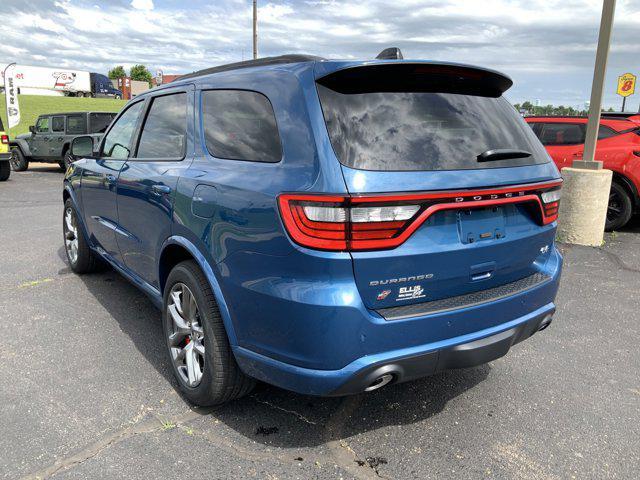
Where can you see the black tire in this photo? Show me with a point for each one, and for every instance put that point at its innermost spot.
(18, 161)
(620, 207)
(5, 171)
(117, 97)
(222, 380)
(79, 94)
(86, 261)
(67, 160)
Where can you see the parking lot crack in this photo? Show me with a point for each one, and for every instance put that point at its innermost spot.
(342, 452)
(615, 258)
(292, 412)
(148, 426)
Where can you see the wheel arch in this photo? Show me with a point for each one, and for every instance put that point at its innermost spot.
(69, 193)
(178, 249)
(22, 145)
(623, 180)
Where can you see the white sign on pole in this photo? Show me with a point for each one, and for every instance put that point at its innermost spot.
(11, 96)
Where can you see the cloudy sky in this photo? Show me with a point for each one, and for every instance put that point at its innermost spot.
(546, 46)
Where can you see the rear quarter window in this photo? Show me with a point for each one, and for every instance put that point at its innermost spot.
(98, 122)
(424, 130)
(76, 124)
(240, 125)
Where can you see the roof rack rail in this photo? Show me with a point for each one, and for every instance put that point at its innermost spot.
(282, 59)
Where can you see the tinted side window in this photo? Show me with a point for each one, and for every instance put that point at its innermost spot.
(562, 134)
(165, 129)
(100, 121)
(43, 125)
(606, 132)
(75, 124)
(240, 125)
(117, 143)
(57, 124)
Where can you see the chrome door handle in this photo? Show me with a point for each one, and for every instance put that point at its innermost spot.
(161, 189)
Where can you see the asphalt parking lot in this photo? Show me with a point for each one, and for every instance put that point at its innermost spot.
(86, 390)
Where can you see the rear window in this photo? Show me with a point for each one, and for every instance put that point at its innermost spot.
(562, 134)
(98, 122)
(75, 124)
(424, 130)
(240, 125)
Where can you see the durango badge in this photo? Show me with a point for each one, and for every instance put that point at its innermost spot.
(409, 293)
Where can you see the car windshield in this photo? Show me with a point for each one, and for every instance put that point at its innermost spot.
(424, 130)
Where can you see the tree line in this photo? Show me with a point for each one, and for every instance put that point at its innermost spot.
(137, 72)
(529, 108)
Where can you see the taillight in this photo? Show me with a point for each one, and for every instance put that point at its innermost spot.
(550, 204)
(377, 222)
(5, 139)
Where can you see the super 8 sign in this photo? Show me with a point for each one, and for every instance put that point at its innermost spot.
(626, 84)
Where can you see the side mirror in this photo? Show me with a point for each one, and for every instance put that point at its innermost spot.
(32, 129)
(82, 147)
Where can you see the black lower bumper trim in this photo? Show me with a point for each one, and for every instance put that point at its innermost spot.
(465, 355)
(464, 301)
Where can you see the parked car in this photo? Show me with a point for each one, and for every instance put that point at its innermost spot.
(618, 147)
(329, 227)
(5, 169)
(51, 137)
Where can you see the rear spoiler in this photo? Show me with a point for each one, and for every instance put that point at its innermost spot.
(406, 76)
(632, 117)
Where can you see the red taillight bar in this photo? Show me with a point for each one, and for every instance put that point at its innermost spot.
(378, 235)
(4, 139)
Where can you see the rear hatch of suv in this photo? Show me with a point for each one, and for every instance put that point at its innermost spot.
(450, 192)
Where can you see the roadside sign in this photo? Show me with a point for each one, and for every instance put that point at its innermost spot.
(626, 84)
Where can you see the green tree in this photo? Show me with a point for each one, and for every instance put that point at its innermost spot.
(117, 72)
(140, 72)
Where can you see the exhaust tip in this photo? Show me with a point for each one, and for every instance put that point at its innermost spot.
(379, 382)
(545, 323)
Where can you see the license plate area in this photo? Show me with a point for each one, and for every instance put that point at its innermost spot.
(481, 224)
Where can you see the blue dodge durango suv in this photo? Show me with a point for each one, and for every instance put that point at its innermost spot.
(329, 227)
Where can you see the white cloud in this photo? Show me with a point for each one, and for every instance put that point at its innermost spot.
(142, 4)
(544, 45)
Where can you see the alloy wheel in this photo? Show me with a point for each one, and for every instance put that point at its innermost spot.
(615, 207)
(71, 235)
(13, 159)
(186, 335)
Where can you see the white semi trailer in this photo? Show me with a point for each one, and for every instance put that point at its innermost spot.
(61, 81)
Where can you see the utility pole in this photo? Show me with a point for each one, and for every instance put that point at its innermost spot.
(586, 187)
(255, 29)
(602, 54)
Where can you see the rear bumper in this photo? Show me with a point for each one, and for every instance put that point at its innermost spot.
(466, 351)
(317, 338)
(4, 157)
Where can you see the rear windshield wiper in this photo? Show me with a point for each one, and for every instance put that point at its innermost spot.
(502, 154)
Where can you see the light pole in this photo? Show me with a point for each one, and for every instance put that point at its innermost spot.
(255, 29)
(600, 70)
(585, 198)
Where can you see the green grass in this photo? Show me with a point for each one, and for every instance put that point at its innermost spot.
(33, 105)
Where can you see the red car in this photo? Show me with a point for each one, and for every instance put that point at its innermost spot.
(618, 147)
